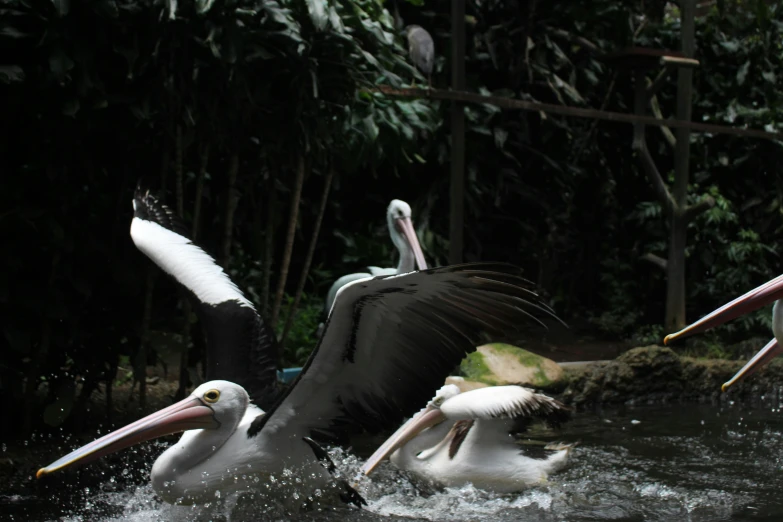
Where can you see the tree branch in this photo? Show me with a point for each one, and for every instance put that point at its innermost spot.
(651, 171)
(584, 42)
(656, 260)
(269, 236)
(293, 214)
(662, 77)
(308, 258)
(667, 133)
(706, 203)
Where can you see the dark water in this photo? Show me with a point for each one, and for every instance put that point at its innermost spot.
(675, 462)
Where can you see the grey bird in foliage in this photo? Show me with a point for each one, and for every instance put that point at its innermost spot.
(421, 50)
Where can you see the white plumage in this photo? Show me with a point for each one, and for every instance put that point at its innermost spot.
(187, 263)
(461, 438)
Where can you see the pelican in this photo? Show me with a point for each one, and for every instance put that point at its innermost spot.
(403, 235)
(461, 438)
(760, 296)
(388, 342)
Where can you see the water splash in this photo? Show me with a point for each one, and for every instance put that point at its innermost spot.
(693, 463)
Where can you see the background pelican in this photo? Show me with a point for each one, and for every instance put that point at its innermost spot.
(403, 235)
(461, 438)
(388, 343)
(753, 300)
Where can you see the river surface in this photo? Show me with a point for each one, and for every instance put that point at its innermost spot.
(694, 462)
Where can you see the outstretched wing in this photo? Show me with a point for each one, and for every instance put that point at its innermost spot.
(241, 347)
(495, 413)
(512, 402)
(390, 342)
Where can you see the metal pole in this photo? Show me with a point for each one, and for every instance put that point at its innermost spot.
(675, 292)
(457, 210)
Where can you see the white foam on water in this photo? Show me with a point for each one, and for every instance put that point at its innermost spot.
(715, 473)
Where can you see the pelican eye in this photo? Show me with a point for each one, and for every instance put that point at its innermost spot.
(212, 396)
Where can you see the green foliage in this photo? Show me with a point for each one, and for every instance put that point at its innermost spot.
(98, 90)
(301, 339)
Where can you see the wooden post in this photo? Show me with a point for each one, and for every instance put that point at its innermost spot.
(457, 208)
(675, 295)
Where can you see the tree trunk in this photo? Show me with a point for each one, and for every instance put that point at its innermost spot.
(269, 238)
(202, 174)
(309, 258)
(109, 387)
(140, 368)
(675, 267)
(164, 170)
(231, 206)
(178, 173)
(185, 347)
(457, 193)
(293, 214)
(33, 372)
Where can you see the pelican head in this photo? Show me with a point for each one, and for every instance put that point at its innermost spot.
(769, 292)
(398, 217)
(430, 416)
(211, 413)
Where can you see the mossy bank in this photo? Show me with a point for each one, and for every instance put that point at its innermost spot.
(655, 374)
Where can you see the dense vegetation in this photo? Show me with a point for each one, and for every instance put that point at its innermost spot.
(241, 111)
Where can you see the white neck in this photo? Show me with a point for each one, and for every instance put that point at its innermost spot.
(424, 440)
(777, 321)
(407, 260)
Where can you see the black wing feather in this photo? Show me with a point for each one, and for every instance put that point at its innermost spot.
(391, 341)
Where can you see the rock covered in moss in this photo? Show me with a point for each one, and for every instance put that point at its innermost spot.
(499, 364)
(654, 374)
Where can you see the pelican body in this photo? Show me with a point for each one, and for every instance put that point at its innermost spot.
(769, 292)
(388, 342)
(461, 438)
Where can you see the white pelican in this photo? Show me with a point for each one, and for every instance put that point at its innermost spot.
(753, 300)
(388, 343)
(461, 438)
(403, 235)
(228, 318)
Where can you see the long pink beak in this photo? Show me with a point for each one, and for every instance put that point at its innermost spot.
(430, 417)
(404, 226)
(764, 356)
(763, 295)
(188, 414)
